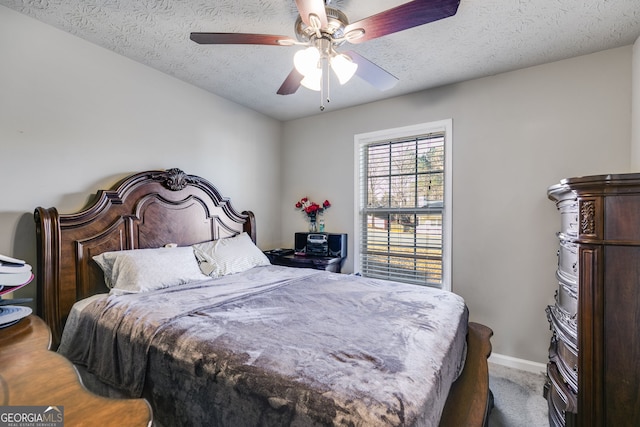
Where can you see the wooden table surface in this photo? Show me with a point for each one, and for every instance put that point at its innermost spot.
(32, 375)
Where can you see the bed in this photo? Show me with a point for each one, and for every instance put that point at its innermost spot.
(257, 345)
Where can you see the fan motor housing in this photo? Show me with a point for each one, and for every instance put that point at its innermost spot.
(336, 22)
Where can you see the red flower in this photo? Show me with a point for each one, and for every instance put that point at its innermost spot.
(311, 208)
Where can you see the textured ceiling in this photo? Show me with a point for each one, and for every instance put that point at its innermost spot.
(485, 37)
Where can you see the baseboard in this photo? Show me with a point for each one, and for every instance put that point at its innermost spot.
(514, 362)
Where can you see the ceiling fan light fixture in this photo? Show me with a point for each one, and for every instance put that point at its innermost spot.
(306, 60)
(343, 67)
(322, 28)
(313, 80)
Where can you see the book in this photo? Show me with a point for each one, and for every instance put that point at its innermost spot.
(8, 267)
(10, 260)
(10, 314)
(15, 279)
(14, 301)
(6, 289)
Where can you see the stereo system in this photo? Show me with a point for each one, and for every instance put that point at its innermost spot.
(321, 244)
(317, 244)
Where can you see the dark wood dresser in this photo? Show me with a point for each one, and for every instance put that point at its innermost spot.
(594, 357)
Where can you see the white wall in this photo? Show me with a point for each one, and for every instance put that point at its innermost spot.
(514, 134)
(75, 118)
(635, 110)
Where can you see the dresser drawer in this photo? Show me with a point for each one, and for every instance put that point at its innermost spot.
(568, 261)
(563, 402)
(563, 325)
(567, 298)
(566, 359)
(569, 217)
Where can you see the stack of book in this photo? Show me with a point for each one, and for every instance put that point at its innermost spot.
(14, 274)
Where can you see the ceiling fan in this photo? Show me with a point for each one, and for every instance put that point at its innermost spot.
(322, 29)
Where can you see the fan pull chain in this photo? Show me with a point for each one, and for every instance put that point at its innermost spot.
(324, 83)
(322, 88)
(326, 76)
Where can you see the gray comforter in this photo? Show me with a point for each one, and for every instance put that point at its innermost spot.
(277, 346)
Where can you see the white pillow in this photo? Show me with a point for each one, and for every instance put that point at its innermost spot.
(142, 270)
(228, 256)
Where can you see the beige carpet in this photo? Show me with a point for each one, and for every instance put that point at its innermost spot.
(518, 400)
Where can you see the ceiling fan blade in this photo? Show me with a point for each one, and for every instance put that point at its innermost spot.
(403, 17)
(372, 73)
(241, 38)
(291, 83)
(312, 7)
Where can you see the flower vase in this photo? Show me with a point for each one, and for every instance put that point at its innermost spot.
(313, 225)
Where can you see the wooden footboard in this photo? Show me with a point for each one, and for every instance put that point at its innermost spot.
(470, 399)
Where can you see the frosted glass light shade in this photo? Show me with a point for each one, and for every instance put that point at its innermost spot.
(313, 80)
(344, 67)
(306, 60)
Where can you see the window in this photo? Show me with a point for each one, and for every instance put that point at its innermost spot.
(403, 199)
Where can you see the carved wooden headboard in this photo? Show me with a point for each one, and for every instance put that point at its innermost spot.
(145, 210)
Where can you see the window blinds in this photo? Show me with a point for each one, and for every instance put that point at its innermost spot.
(402, 200)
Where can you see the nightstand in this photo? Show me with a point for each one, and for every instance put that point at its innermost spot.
(321, 251)
(32, 375)
(333, 264)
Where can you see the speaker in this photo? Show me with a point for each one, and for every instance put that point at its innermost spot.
(337, 244)
(300, 243)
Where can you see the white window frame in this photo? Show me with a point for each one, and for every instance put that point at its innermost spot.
(363, 139)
